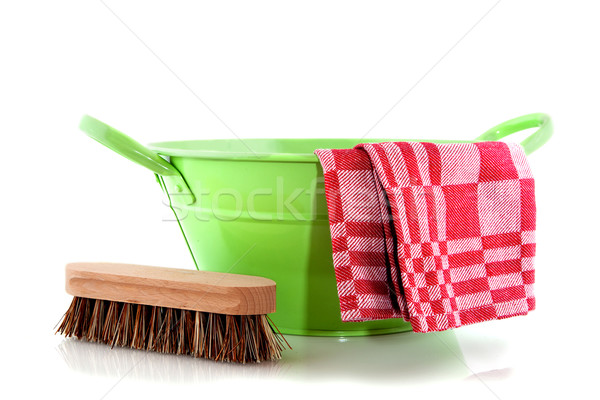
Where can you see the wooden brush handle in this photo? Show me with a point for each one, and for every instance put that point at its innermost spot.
(214, 292)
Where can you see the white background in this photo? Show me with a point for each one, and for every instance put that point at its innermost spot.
(155, 70)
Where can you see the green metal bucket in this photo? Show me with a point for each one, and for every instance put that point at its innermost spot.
(257, 207)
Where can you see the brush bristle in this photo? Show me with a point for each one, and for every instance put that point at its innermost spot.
(220, 337)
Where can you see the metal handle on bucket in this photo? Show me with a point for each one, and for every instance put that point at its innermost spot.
(533, 141)
(136, 152)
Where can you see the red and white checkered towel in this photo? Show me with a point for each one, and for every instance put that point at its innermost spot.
(442, 235)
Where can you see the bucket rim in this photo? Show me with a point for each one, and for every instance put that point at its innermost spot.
(254, 149)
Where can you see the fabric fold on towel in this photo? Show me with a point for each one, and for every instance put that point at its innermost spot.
(441, 235)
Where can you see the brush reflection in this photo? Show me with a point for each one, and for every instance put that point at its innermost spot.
(402, 357)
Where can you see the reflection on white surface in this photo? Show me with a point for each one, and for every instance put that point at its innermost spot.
(492, 375)
(99, 359)
(400, 357)
(403, 357)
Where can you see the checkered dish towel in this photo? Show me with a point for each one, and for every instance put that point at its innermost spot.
(442, 235)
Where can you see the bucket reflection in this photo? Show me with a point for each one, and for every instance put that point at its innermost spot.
(394, 358)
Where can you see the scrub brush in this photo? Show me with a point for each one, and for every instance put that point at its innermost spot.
(213, 315)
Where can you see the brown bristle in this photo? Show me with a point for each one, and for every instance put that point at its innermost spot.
(220, 337)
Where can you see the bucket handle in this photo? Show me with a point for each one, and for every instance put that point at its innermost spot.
(533, 141)
(136, 152)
